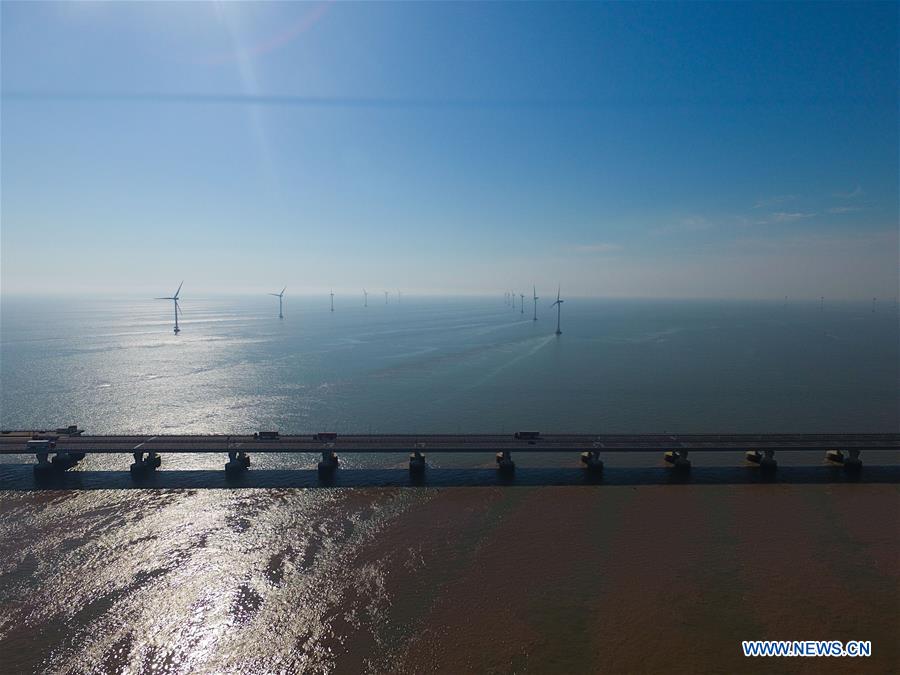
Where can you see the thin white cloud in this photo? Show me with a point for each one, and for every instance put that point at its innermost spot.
(844, 209)
(784, 217)
(856, 192)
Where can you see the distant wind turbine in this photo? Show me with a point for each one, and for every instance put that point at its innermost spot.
(558, 304)
(365, 298)
(385, 297)
(177, 307)
(534, 293)
(280, 296)
(874, 300)
(522, 296)
(332, 300)
(398, 296)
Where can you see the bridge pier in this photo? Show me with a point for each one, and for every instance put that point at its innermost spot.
(61, 461)
(765, 459)
(592, 461)
(237, 462)
(504, 463)
(851, 461)
(329, 463)
(416, 462)
(678, 459)
(43, 467)
(143, 465)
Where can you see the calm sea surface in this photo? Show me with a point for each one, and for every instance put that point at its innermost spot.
(186, 579)
(449, 365)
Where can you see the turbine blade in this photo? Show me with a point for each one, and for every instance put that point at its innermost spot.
(179, 289)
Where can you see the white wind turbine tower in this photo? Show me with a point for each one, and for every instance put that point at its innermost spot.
(177, 307)
(558, 304)
(365, 298)
(332, 300)
(534, 293)
(280, 297)
(522, 297)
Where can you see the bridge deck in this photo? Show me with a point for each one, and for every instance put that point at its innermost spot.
(12, 443)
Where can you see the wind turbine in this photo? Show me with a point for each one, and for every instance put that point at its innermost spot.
(385, 297)
(398, 296)
(558, 304)
(534, 293)
(365, 298)
(280, 296)
(522, 296)
(332, 299)
(177, 307)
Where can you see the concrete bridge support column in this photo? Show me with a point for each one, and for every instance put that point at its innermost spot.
(43, 466)
(592, 461)
(237, 462)
(504, 463)
(416, 462)
(678, 459)
(765, 459)
(143, 465)
(851, 460)
(329, 463)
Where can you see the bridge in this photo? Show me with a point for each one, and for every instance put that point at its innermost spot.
(70, 445)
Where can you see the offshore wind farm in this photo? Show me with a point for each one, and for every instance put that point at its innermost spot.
(510, 299)
(370, 368)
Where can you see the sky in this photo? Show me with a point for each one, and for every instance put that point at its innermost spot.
(727, 150)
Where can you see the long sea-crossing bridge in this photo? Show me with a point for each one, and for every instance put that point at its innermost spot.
(63, 448)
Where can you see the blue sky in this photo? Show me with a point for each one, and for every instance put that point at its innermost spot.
(667, 150)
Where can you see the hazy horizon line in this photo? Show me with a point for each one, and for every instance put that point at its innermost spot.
(375, 295)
